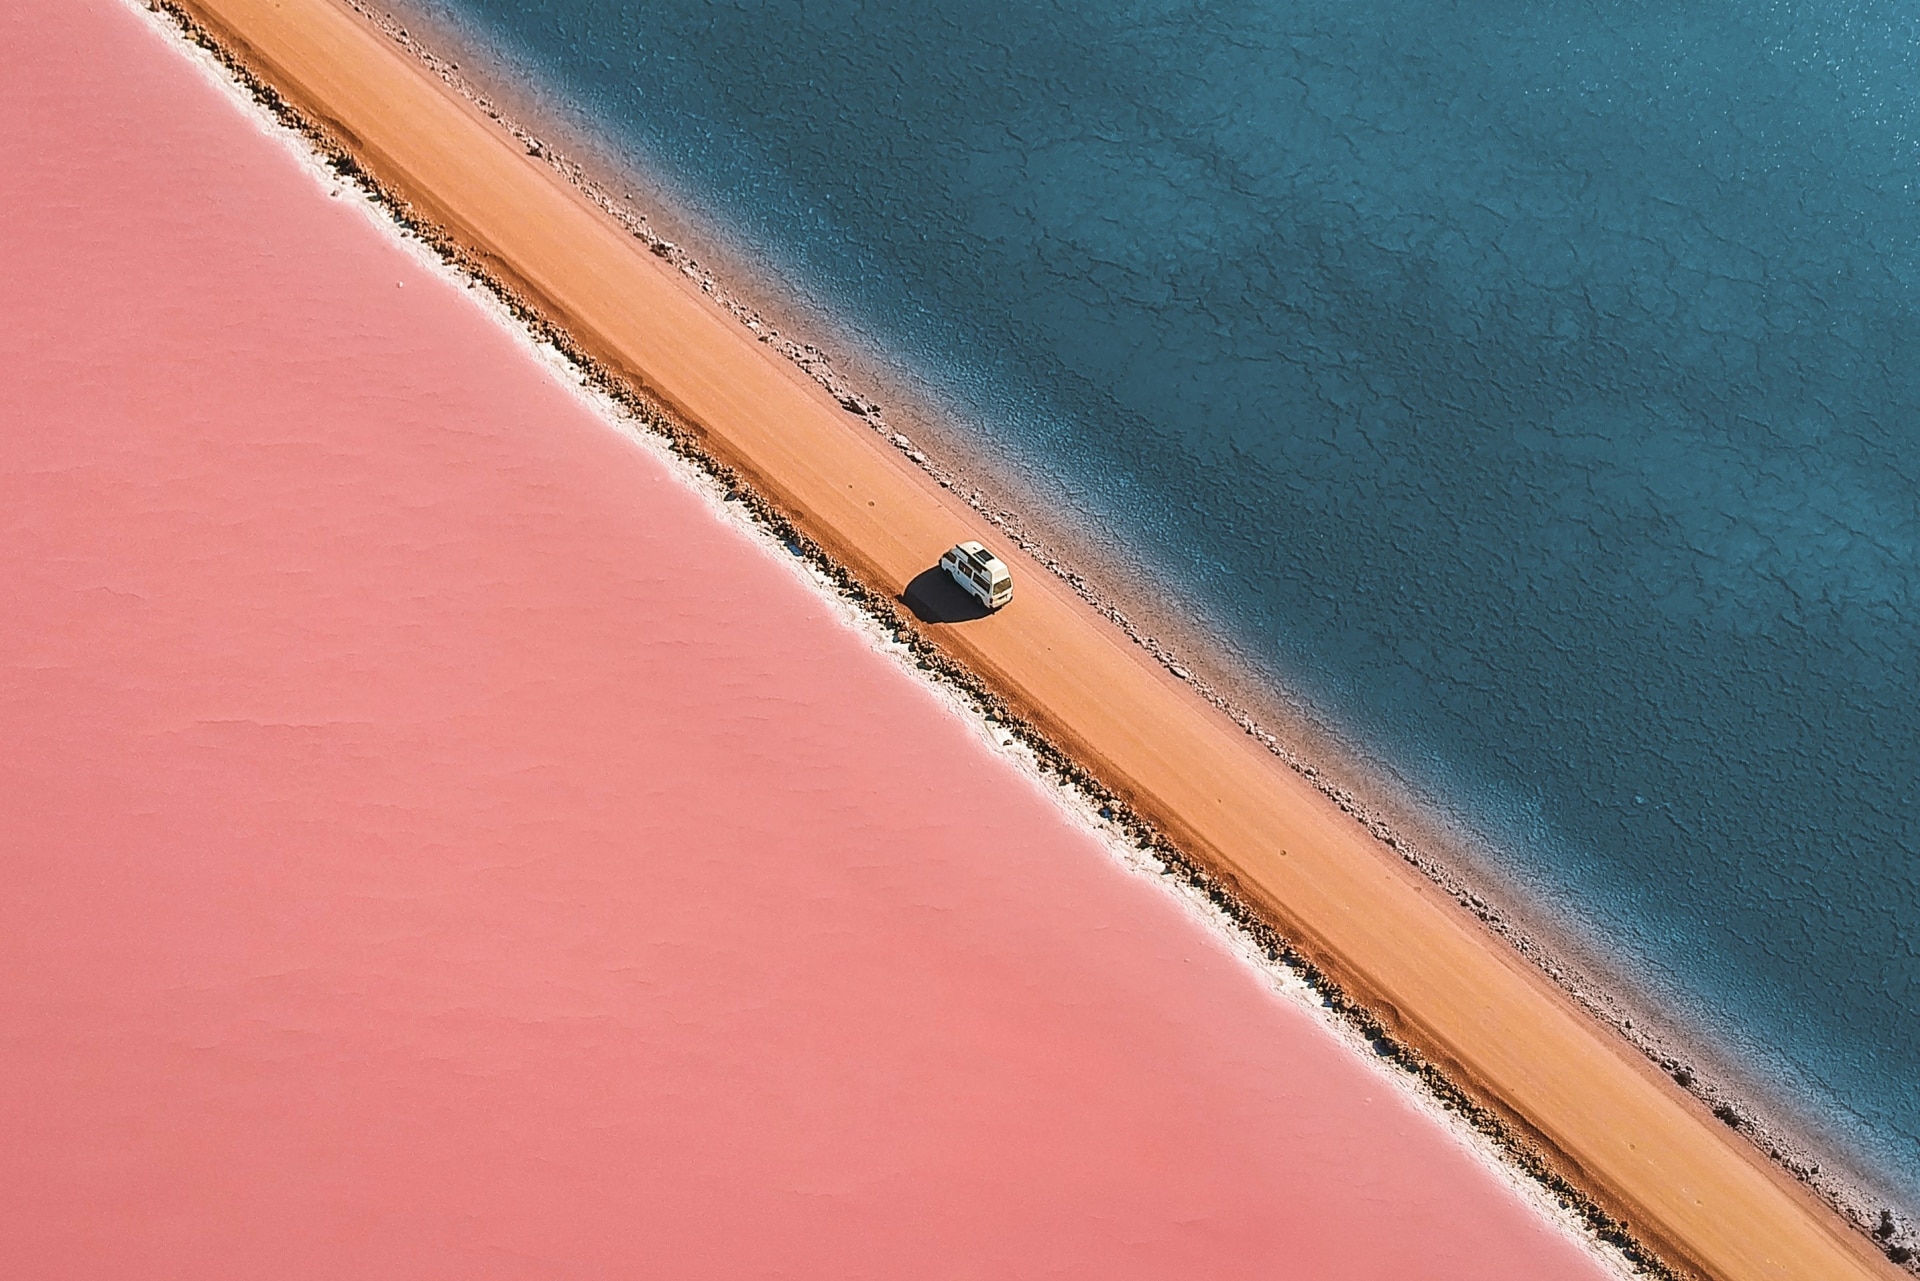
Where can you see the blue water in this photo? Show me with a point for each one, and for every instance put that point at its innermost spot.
(1535, 387)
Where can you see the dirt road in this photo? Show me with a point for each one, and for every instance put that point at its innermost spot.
(1645, 1150)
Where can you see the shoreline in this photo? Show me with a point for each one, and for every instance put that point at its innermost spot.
(693, 442)
(1456, 861)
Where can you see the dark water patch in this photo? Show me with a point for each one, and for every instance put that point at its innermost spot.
(1534, 391)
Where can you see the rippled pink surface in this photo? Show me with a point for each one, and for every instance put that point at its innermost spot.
(435, 846)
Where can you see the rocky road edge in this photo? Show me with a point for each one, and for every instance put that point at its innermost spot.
(1897, 1238)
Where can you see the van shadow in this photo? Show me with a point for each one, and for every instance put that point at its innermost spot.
(934, 597)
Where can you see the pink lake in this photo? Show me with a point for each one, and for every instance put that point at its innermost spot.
(436, 844)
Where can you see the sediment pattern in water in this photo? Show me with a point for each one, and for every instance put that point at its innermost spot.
(1533, 392)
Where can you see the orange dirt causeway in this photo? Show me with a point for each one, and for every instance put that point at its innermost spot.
(1650, 1154)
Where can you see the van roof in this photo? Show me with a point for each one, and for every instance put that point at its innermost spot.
(982, 557)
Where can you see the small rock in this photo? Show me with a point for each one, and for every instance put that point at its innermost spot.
(1683, 1077)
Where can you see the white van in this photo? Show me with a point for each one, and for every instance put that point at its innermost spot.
(980, 572)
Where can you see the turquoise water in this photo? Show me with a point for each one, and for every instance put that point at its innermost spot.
(1536, 388)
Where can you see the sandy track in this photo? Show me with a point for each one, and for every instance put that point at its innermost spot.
(1646, 1151)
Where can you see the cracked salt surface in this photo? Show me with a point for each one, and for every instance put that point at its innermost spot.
(1528, 393)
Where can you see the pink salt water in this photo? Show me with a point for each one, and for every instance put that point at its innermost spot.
(435, 844)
